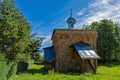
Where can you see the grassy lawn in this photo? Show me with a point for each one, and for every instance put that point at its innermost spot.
(107, 71)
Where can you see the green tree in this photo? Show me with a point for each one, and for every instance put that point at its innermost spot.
(107, 40)
(35, 47)
(14, 30)
(117, 42)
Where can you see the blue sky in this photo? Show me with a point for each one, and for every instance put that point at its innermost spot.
(47, 15)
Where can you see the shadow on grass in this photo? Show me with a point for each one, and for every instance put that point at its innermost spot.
(34, 71)
(46, 72)
(72, 72)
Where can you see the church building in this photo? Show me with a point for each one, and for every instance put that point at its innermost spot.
(72, 49)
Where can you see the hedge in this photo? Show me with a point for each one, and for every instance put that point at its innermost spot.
(7, 69)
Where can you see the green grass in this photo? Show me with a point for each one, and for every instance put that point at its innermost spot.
(106, 71)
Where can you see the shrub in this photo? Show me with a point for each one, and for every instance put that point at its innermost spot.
(7, 69)
(23, 57)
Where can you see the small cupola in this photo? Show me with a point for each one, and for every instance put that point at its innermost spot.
(71, 21)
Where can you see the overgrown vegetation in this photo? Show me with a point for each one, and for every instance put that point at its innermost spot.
(106, 71)
(108, 40)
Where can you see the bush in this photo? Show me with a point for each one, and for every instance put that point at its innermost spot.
(23, 57)
(7, 69)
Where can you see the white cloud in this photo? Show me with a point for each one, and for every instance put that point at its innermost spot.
(47, 38)
(100, 9)
(80, 13)
(46, 42)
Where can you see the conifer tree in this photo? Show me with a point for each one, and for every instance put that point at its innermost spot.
(14, 30)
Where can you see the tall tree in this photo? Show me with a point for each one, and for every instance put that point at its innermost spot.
(117, 42)
(107, 41)
(14, 30)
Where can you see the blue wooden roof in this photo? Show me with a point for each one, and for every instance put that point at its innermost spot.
(85, 51)
(83, 47)
(49, 54)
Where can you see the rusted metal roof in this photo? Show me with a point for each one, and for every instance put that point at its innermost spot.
(85, 51)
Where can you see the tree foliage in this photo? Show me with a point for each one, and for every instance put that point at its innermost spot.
(108, 40)
(14, 30)
(35, 48)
